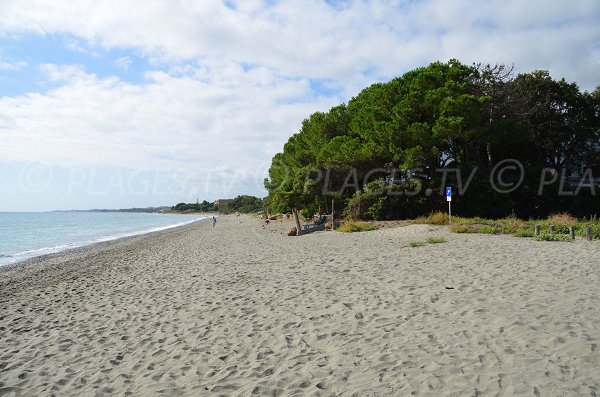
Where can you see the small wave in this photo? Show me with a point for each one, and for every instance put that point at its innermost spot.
(140, 232)
(41, 251)
(28, 254)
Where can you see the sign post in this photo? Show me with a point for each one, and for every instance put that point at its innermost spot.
(449, 200)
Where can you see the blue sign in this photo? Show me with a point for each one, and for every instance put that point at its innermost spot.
(448, 191)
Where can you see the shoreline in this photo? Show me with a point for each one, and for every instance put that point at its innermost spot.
(85, 244)
(62, 262)
(241, 308)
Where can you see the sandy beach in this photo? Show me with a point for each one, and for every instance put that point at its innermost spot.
(240, 310)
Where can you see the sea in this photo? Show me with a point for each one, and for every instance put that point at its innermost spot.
(25, 235)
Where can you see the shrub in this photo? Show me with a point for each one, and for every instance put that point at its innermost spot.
(580, 229)
(351, 227)
(523, 233)
(596, 231)
(462, 229)
(508, 229)
(563, 219)
(435, 240)
(547, 236)
(561, 229)
(359, 204)
(308, 213)
(489, 229)
(422, 220)
(438, 218)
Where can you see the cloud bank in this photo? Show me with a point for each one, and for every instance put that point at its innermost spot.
(225, 83)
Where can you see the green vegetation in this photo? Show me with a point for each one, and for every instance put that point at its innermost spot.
(435, 218)
(520, 228)
(243, 204)
(524, 233)
(384, 154)
(351, 227)
(428, 240)
(204, 206)
(435, 240)
(547, 236)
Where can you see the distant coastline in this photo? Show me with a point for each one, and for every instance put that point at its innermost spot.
(161, 209)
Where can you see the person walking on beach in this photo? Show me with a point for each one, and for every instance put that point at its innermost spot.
(214, 221)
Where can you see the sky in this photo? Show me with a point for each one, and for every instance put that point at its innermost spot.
(118, 104)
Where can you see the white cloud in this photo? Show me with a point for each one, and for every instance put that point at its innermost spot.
(77, 46)
(207, 111)
(12, 65)
(219, 118)
(311, 39)
(124, 62)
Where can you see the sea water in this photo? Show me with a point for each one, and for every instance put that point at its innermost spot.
(24, 235)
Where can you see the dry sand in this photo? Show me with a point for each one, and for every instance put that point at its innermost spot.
(242, 310)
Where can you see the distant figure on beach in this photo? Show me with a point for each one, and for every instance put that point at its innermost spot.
(214, 221)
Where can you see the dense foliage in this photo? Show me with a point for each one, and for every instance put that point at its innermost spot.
(389, 152)
(243, 204)
(204, 206)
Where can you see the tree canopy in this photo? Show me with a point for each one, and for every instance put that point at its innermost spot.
(243, 203)
(386, 150)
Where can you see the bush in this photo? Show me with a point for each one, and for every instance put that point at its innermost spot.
(559, 229)
(462, 229)
(489, 229)
(580, 229)
(438, 218)
(351, 227)
(366, 203)
(524, 233)
(422, 220)
(308, 213)
(563, 219)
(435, 218)
(547, 236)
(596, 231)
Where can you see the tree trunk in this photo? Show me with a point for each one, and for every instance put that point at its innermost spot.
(488, 148)
(298, 228)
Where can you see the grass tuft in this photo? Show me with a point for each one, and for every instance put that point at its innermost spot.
(438, 218)
(462, 228)
(352, 227)
(416, 244)
(422, 220)
(435, 218)
(435, 240)
(486, 229)
(524, 233)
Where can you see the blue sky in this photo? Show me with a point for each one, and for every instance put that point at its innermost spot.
(28, 51)
(106, 104)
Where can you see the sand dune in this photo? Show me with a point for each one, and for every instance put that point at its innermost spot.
(244, 310)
